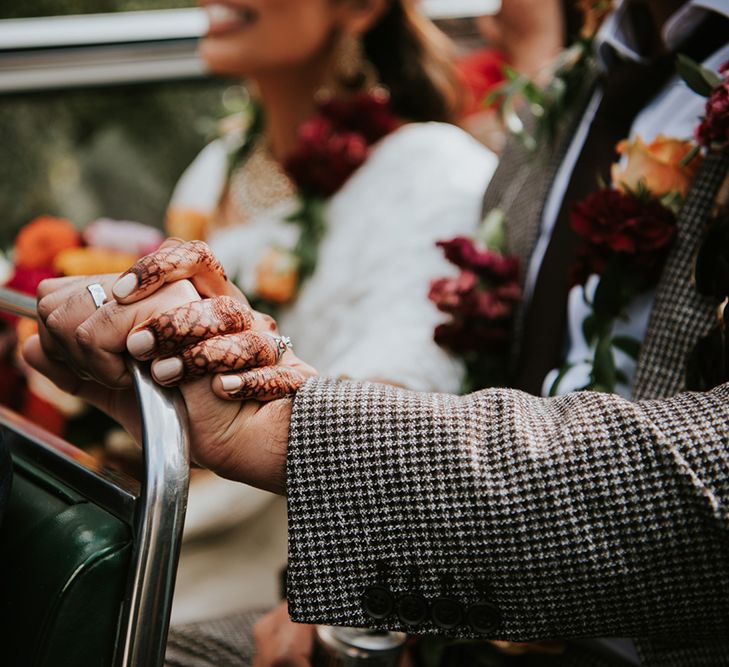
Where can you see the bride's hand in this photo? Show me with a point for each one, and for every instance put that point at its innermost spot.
(250, 362)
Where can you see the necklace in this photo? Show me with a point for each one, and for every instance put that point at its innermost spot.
(259, 183)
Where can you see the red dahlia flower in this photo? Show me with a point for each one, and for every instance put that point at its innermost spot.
(610, 221)
(365, 114)
(325, 158)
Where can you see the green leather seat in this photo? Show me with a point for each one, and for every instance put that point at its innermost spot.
(88, 557)
(64, 564)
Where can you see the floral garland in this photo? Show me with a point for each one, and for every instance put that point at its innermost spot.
(481, 301)
(332, 146)
(565, 79)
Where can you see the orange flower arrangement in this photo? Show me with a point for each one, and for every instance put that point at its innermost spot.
(657, 167)
(41, 240)
(91, 261)
(188, 224)
(277, 276)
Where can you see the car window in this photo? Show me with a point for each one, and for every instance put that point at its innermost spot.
(14, 9)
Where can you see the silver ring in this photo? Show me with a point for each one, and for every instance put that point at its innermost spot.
(283, 343)
(97, 294)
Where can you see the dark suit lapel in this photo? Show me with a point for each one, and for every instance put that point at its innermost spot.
(680, 315)
(522, 172)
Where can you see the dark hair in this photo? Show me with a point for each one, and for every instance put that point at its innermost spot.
(414, 61)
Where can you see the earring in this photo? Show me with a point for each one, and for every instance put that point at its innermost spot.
(352, 72)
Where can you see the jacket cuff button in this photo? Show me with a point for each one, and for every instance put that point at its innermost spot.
(412, 609)
(377, 602)
(484, 618)
(446, 613)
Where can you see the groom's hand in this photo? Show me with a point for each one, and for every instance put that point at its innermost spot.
(81, 349)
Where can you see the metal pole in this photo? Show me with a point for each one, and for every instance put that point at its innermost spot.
(159, 516)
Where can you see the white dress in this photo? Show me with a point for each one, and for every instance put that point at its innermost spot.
(365, 312)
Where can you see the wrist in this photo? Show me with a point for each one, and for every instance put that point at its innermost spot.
(264, 450)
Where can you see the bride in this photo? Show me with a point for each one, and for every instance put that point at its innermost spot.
(327, 201)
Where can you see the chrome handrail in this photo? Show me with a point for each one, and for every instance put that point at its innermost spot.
(160, 514)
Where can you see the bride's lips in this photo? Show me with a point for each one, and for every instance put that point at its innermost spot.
(228, 16)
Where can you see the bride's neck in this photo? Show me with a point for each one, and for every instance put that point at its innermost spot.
(288, 99)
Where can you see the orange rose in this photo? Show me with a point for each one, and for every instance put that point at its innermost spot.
(41, 240)
(657, 166)
(90, 261)
(277, 276)
(188, 224)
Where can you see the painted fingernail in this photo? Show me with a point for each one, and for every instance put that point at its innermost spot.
(230, 383)
(125, 286)
(167, 370)
(141, 343)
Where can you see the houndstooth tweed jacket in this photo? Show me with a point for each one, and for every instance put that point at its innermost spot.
(585, 515)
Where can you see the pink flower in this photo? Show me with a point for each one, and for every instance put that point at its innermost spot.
(448, 293)
(132, 238)
(481, 314)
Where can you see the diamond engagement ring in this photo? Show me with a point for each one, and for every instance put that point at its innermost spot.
(97, 294)
(283, 343)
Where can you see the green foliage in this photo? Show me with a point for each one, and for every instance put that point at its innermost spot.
(113, 152)
(89, 153)
(549, 103)
(700, 79)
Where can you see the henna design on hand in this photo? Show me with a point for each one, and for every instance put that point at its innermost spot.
(192, 259)
(194, 322)
(268, 384)
(227, 354)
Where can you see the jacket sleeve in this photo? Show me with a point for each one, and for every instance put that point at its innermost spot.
(582, 515)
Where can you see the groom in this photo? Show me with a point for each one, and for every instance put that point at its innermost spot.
(504, 515)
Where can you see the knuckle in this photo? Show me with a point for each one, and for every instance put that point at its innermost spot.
(45, 305)
(199, 251)
(49, 285)
(231, 313)
(84, 337)
(182, 291)
(54, 323)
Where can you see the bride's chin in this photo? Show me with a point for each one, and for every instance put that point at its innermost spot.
(220, 59)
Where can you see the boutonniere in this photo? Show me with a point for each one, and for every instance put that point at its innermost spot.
(626, 230)
(480, 300)
(564, 77)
